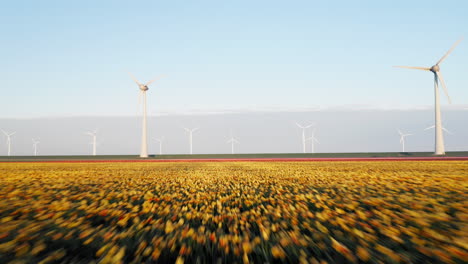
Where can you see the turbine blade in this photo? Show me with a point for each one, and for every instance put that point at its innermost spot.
(429, 127)
(155, 79)
(448, 52)
(309, 125)
(414, 68)
(134, 79)
(4, 132)
(140, 99)
(316, 140)
(441, 79)
(446, 130)
(399, 132)
(299, 125)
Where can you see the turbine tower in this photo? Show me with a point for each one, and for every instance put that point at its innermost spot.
(160, 141)
(303, 136)
(190, 131)
(439, 137)
(233, 141)
(8, 140)
(143, 89)
(93, 134)
(313, 140)
(402, 139)
(35, 142)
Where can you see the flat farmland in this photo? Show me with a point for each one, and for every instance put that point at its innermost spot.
(234, 212)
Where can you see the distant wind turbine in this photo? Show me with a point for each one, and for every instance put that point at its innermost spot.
(8, 140)
(443, 128)
(35, 142)
(190, 131)
(402, 139)
(143, 89)
(313, 140)
(233, 141)
(160, 141)
(93, 134)
(303, 135)
(439, 137)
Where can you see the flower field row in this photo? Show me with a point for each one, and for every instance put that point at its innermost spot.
(234, 212)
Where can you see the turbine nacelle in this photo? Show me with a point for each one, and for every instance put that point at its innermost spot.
(435, 68)
(144, 88)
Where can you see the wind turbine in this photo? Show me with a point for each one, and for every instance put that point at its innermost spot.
(313, 140)
(93, 134)
(303, 136)
(8, 141)
(35, 146)
(190, 131)
(402, 139)
(143, 89)
(439, 137)
(233, 141)
(160, 140)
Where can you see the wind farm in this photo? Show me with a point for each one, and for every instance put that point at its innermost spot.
(282, 133)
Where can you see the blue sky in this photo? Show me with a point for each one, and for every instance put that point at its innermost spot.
(69, 58)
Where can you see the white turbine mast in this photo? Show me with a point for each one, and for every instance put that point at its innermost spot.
(313, 140)
(143, 89)
(35, 142)
(160, 141)
(439, 137)
(8, 140)
(233, 141)
(303, 135)
(190, 131)
(402, 139)
(93, 134)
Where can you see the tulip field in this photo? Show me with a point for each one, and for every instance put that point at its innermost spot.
(234, 212)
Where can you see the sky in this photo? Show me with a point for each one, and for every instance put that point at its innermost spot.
(61, 60)
(71, 58)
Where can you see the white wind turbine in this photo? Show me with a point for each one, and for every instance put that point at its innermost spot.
(233, 141)
(160, 141)
(402, 139)
(8, 140)
(190, 131)
(94, 135)
(303, 135)
(35, 142)
(439, 138)
(143, 89)
(313, 140)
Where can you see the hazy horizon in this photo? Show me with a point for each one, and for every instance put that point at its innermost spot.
(258, 132)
